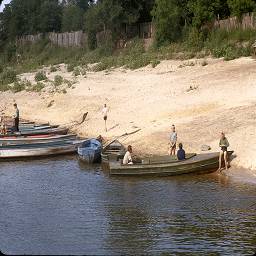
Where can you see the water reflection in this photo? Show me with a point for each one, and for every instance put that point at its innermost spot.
(62, 206)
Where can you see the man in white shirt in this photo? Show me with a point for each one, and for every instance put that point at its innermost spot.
(128, 156)
(105, 115)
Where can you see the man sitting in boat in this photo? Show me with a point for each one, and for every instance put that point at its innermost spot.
(181, 154)
(224, 144)
(128, 156)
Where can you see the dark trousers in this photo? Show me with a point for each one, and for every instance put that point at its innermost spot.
(16, 124)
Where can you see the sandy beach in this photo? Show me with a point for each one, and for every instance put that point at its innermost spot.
(200, 100)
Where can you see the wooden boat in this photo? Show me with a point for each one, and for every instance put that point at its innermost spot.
(112, 151)
(90, 151)
(168, 166)
(38, 150)
(32, 124)
(60, 131)
(36, 139)
(33, 128)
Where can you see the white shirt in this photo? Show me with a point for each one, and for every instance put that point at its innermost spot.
(127, 158)
(105, 111)
(173, 137)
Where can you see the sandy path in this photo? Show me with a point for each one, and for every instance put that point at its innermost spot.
(154, 99)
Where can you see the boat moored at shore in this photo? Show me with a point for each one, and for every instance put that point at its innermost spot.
(168, 166)
(90, 151)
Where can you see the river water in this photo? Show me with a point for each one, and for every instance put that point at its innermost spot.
(60, 206)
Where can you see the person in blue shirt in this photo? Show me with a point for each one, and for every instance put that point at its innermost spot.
(181, 155)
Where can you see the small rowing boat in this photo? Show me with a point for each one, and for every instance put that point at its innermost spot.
(35, 139)
(168, 166)
(90, 151)
(112, 151)
(38, 149)
(60, 131)
(34, 128)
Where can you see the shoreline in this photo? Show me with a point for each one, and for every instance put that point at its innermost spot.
(200, 101)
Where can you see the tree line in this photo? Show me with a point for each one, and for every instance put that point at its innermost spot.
(172, 18)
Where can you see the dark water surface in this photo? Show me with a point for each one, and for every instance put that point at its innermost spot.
(62, 207)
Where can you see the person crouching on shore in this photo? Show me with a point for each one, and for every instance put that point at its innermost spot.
(224, 144)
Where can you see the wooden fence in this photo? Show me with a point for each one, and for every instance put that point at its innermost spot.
(73, 39)
(247, 21)
(79, 38)
(29, 39)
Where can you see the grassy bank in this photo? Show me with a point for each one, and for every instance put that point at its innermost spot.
(16, 60)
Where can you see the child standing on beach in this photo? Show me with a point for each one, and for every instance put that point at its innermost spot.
(105, 115)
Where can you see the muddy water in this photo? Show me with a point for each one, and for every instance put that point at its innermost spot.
(60, 206)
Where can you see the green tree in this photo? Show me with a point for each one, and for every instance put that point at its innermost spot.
(204, 11)
(167, 16)
(50, 16)
(72, 18)
(239, 7)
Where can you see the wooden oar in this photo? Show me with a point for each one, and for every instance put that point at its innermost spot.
(118, 137)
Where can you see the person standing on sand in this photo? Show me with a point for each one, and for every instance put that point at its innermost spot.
(224, 144)
(173, 141)
(16, 117)
(105, 115)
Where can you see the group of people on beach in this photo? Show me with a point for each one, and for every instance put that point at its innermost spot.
(181, 154)
(128, 158)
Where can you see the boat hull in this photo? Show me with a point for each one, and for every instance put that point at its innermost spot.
(60, 131)
(112, 152)
(90, 157)
(35, 139)
(90, 151)
(203, 163)
(28, 151)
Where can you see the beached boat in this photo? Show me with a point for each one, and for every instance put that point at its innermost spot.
(112, 151)
(60, 131)
(36, 139)
(168, 166)
(90, 151)
(33, 128)
(38, 150)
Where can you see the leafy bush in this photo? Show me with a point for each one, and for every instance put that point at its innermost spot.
(18, 87)
(100, 67)
(38, 87)
(68, 83)
(76, 71)
(155, 63)
(8, 76)
(58, 80)
(70, 67)
(53, 69)
(139, 62)
(40, 76)
(4, 87)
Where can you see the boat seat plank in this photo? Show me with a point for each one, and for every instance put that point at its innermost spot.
(165, 159)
